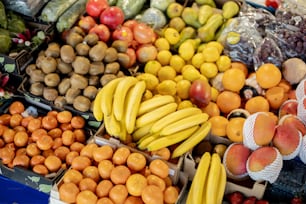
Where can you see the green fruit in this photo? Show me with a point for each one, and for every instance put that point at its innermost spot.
(177, 23)
(174, 10)
(230, 9)
(206, 2)
(190, 16)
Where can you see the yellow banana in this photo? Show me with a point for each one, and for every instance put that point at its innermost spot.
(153, 103)
(141, 132)
(213, 179)
(193, 140)
(107, 96)
(171, 139)
(155, 114)
(184, 123)
(96, 109)
(199, 180)
(132, 105)
(222, 185)
(144, 141)
(173, 117)
(120, 95)
(112, 125)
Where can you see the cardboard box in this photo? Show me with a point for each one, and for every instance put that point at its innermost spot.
(175, 165)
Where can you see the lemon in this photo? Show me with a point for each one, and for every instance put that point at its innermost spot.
(147, 95)
(186, 67)
(191, 73)
(152, 67)
(182, 88)
(185, 104)
(217, 45)
(224, 63)
(162, 43)
(150, 79)
(214, 94)
(233, 38)
(201, 47)
(197, 60)
(166, 87)
(172, 35)
(186, 50)
(166, 72)
(177, 62)
(202, 77)
(209, 69)
(211, 54)
(178, 78)
(164, 57)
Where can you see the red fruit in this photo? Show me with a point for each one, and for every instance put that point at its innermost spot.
(146, 52)
(250, 200)
(296, 200)
(288, 107)
(200, 93)
(130, 23)
(272, 3)
(87, 23)
(102, 31)
(262, 202)
(112, 17)
(123, 33)
(95, 7)
(143, 33)
(132, 55)
(235, 197)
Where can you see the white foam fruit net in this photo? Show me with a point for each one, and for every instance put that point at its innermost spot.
(271, 172)
(300, 90)
(301, 110)
(302, 152)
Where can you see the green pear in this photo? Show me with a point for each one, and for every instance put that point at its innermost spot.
(205, 11)
(177, 23)
(190, 16)
(186, 33)
(174, 10)
(206, 2)
(230, 9)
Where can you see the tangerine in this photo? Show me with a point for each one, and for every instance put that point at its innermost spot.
(268, 75)
(228, 101)
(257, 104)
(218, 125)
(234, 129)
(233, 80)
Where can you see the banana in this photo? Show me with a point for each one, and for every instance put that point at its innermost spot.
(144, 141)
(193, 140)
(141, 132)
(112, 126)
(153, 103)
(107, 96)
(171, 139)
(199, 180)
(120, 95)
(222, 185)
(96, 109)
(173, 117)
(156, 114)
(132, 105)
(184, 123)
(211, 190)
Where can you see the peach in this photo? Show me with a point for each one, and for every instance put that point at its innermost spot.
(288, 107)
(234, 160)
(287, 140)
(294, 121)
(265, 163)
(258, 130)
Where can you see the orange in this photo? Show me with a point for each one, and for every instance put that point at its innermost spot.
(103, 188)
(276, 96)
(152, 194)
(241, 66)
(68, 192)
(171, 194)
(257, 104)
(228, 101)
(268, 75)
(135, 184)
(211, 109)
(234, 129)
(118, 193)
(233, 80)
(86, 197)
(136, 161)
(218, 125)
(120, 174)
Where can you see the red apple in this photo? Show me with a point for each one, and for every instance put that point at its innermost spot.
(102, 31)
(200, 93)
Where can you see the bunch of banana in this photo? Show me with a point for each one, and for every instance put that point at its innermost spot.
(117, 103)
(208, 184)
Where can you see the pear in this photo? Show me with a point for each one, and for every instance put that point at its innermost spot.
(190, 16)
(230, 9)
(186, 33)
(206, 2)
(205, 11)
(174, 10)
(177, 23)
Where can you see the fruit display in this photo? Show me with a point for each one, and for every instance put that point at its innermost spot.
(213, 88)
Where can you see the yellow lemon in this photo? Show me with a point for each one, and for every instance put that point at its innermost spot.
(178, 78)
(162, 43)
(147, 95)
(224, 63)
(211, 54)
(150, 79)
(164, 57)
(209, 69)
(166, 87)
(185, 104)
(197, 60)
(201, 47)
(177, 62)
(152, 67)
(186, 50)
(214, 93)
(182, 88)
(191, 73)
(172, 35)
(166, 72)
(217, 45)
